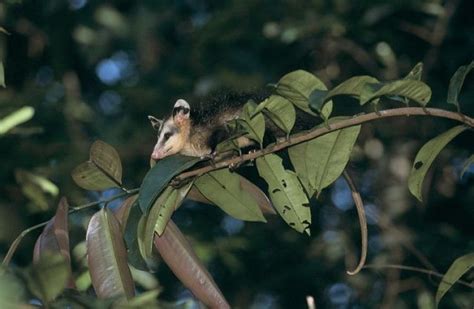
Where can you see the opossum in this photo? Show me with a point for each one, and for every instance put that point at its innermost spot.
(196, 131)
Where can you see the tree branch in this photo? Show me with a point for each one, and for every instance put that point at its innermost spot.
(320, 131)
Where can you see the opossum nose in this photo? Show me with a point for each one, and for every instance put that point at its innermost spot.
(157, 154)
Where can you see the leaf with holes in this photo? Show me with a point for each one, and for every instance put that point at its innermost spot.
(456, 82)
(180, 257)
(297, 87)
(102, 171)
(158, 177)
(286, 192)
(414, 90)
(460, 266)
(224, 189)
(322, 160)
(107, 257)
(425, 157)
(48, 277)
(351, 87)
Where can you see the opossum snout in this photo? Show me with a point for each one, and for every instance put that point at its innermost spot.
(158, 153)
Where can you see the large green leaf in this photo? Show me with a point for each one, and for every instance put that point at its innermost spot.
(16, 118)
(107, 257)
(159, 215)
(48, 277)
(102, 171)
(297, 87)
(159, 176)
(319, 162)
(286, 192)
(254, 123)
(280, 111)
(425, 157)
(414, 90)
(183, 262)
(460, 266)
(456, 82)
(131, 236)
(224, 189)
(351, 87)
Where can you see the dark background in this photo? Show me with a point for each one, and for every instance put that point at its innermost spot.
(96, 69)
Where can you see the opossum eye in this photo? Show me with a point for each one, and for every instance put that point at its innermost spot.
(166, 136)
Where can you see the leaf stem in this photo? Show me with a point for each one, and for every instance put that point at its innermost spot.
(16, 242)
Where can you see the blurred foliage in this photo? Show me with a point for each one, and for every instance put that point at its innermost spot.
(95, 69)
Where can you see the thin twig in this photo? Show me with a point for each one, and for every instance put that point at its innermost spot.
(362, 222)
(317, 132)
(16, 242)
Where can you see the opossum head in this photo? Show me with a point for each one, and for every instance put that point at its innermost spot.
(173, 133)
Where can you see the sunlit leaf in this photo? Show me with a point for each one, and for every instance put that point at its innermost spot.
(415, 73)
(297, 87)
(414, 90)
(42, 182)
(319, 162)
(254, 123)
(48, 277)
(159, 176)
(425, 158)
(286, 192)
(280, 111)
(37, 188)
(102, 171)
(223, 188)
(467, 164)
(148, 299)
(159, 215)
(12, 290)
(16, 118)
(456, 82)
(183, 262)
(459, 267)
(107, 257)
(351, 87)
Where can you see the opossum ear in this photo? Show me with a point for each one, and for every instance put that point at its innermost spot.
(155, 122)
(181, 112)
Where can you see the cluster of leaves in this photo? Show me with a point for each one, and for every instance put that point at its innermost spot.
(143, 223)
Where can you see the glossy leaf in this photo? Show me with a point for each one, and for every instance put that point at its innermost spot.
(159, 215)
(254, 123)
(467, 164)
(48, 277)
(351, 87)
(159, 176)
(107, 257)
(131, 236)
(286, 192)
(102, 171)
(297, 86)
(460, 266)
(16, 118)
(224, 189)
(425, 158)
(413, 90)
(319, 162)
(456, 82)
(183, 262)
(280, 111)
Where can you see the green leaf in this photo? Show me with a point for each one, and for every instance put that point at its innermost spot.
(107, 257)
(131, 236)
(425, 157)
(2, 75)
(48, 277)
(280, 111)
(254, 123)
(460, 266)
(286, 192)
(414, 90)
(415, 73)
(12, 290)
(183, 262)
(456, 82)
(319, 162)
(224, 189)
(160, 214)
(467, 164)
(102, 171)
(16, 118)
(159, 176)
(351, 87)
(297, 86)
